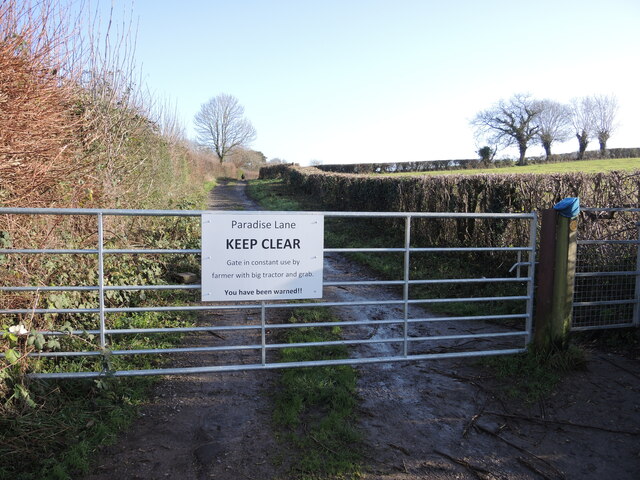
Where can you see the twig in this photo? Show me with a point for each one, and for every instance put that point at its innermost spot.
(562, 422)
(533, 468)
(619, 366)
(402, 449)
(473, 382)
(542, 407)
(323, 445)
(245, 475)
(521, 449)
(217, 335)
(381, 462)
(479, 472)
(471, 423)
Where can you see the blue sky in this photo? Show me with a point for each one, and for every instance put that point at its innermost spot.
(369, 81)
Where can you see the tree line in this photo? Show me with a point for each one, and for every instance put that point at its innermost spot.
(519, 121)
(523, 120)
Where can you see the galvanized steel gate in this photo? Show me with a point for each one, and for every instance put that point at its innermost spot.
(607, 285)
(381, 320)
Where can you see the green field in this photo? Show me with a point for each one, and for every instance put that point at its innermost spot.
(587, 166)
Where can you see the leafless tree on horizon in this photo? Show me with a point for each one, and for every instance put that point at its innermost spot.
(509, 122)
(605, 108)
(554, 124)
(221, 126)
(582, 122)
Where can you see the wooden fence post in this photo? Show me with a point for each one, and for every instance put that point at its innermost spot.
(544, 278)
(556, 277)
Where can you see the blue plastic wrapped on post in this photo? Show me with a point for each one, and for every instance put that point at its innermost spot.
(569, 207)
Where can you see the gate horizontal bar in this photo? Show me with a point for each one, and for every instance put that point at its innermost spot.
(632, 273)
(395, 340)
(49, 251)
(602, 327)
(90, 251)
(605, 302)
(158, 251)
(608, 242)
(226, 328)
(272, 366)
(200, 308)
(96, 288)
(155, 251)
(473, 299)
(280, 346)
(430, 249)
(197, 213)
(613, 209)
(471, 249)
(149, 351)
(326, 284)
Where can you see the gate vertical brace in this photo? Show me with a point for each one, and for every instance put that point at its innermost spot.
(405, 292)
(533, 235)
(263, 332)
(103, 341)
(636, 306)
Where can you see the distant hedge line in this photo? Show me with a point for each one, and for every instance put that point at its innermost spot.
(460, 193)
(466, 164)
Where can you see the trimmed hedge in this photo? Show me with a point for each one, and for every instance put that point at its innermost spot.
(461, 193)
(470, 163)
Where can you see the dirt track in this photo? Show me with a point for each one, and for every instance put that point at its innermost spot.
(434, 420)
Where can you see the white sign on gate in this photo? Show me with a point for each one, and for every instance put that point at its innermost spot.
(261, 256)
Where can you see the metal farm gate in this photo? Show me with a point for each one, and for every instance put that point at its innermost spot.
(607, 284)
(381, 320)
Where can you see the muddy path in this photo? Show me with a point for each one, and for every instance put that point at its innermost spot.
(448, 419)
(442, 419)
(206, 425)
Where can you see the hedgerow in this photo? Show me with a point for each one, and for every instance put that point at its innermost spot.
(514, 193)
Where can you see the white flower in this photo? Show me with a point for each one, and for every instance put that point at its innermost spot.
(18, 330)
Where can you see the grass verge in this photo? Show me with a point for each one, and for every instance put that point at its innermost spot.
(315, 407)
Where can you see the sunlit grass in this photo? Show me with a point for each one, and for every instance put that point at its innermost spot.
(315, 407)
(585, 166)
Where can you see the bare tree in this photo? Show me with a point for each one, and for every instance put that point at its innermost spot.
(604, 108)
(509, 122)
(554, 124)
(582, 122)
(221, 126)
